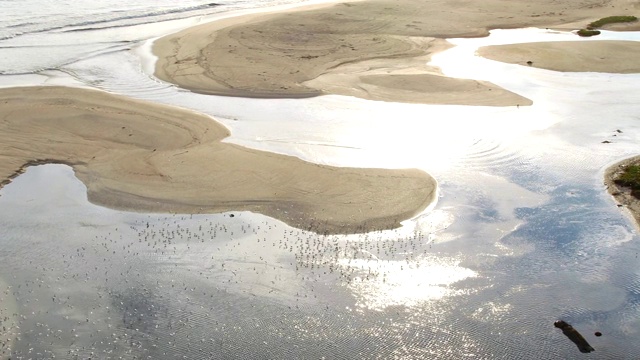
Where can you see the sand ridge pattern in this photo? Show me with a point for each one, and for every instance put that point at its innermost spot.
(140, 156)
(332, 48)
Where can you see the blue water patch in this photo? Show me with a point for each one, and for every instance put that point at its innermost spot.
(571, 213)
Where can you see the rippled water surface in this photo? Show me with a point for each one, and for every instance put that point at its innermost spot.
(93, 280)
(523, 233)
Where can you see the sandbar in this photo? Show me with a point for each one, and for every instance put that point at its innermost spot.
(337, 48)
(570, 56)
(621, 194)
(135, 155)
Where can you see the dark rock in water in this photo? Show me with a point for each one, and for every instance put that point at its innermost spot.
(574, 336)
(598, 333)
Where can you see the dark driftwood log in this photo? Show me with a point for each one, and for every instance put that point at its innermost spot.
(574, 336)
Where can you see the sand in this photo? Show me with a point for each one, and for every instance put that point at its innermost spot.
(140, 156)
(351, 48)
(569, 56)
(622, 195)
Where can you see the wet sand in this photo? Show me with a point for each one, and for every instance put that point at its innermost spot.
(569, 56)
(134, 155)
(622, 195)
(340, 48)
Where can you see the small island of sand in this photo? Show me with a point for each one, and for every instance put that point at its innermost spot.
(570, 56)
(374, 49)
(140, 156)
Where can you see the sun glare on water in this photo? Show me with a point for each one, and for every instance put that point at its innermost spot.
(384, 283)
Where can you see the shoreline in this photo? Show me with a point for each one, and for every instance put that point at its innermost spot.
(337, 48)
(622, 195)
(141, 156)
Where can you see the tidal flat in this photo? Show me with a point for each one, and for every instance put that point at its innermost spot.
(523, 233)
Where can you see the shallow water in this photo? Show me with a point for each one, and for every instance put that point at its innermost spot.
(523, 234)
(89, 279)
(39, 35)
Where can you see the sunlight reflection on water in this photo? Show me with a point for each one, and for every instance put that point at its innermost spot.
(384, 283)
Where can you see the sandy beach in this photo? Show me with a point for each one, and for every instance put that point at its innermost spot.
(623, 195)
(373, 49)
(140, 156)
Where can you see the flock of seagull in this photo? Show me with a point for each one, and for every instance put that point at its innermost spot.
(73, 300)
